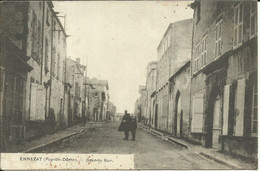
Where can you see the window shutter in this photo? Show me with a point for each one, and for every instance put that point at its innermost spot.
(40, 110)
(197, 114)
(33, 101)
(239, 129)
(226, 109)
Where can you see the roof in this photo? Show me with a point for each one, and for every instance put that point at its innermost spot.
(179, 70)
(171, 26)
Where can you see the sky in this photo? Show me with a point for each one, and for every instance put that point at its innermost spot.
(117, 39)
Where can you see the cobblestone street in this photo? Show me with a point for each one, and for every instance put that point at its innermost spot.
(150, 151)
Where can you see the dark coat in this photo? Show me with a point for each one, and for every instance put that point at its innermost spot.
(133, 124)
(126, 123)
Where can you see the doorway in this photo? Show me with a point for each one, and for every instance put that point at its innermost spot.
(216, 125)
(178, 116)
(156, 117)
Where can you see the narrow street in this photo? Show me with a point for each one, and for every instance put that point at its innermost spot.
(150, 151)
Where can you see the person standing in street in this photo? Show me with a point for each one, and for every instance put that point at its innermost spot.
(133, 127)
(125, 125)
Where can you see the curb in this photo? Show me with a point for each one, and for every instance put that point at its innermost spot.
(179, 143)
(39, 147)
(208, 156)
(220, 161)
(159, 134)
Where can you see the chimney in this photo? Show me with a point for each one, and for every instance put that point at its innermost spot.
(78, 60)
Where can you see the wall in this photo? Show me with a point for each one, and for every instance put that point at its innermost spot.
(180, 93)
(228, 75)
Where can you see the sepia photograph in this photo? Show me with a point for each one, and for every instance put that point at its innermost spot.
(139, 85)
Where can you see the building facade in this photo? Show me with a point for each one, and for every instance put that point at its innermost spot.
(179, 102)
(151, 72)
(143, 103)
(28, 31)
(172, 53)
(224, 76)
(98, 99)
(76, 107)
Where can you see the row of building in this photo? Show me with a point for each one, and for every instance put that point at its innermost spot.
(37, 77)
(203, 86)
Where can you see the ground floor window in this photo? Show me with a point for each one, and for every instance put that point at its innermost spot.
(254, 111)
(14, 97)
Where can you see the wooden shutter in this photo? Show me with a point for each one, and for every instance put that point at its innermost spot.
(40, 110)
(197, 114)
(239, 128)
(33, 101)
(226, 109)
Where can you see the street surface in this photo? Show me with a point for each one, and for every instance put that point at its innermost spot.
(151, 152)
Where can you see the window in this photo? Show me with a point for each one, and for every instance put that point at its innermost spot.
(254, 112)
(200, 54)
(58, 66)
(238, 25)
(204, 51)
(196, 63)
(39, 42)
(218, 42)
(77, 89)
(253, 19)
(53, 62)
(15, 97)
(47, 18)
(34, 37)
(46, 60)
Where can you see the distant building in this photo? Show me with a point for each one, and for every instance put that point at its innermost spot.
(150, 88)
(172, 53)
(98, 98)
(75, 85)
(224, 76)
(179, 102)
(111, 112)
(137, 110)
(143, 103)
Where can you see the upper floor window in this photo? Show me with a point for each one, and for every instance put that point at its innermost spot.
(238, 24)
(254, 112)
(253, 19)
(203, 51)
(53, 62)
(218, 41)
(46, 59)
(58, 65)
(47, 18)
(200, 54)
(196, 60)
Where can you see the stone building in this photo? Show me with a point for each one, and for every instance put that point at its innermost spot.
(13, 75)
(111, 112)
(98, 99)
(28, 31)
(150, 88)
(179, 102)
(224, 76)
(138, 109)
(142, 103)
(172, 53)
(75, 74)
(57, 72)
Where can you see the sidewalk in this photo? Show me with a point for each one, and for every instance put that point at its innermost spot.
(37, 144)
(210, 153)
